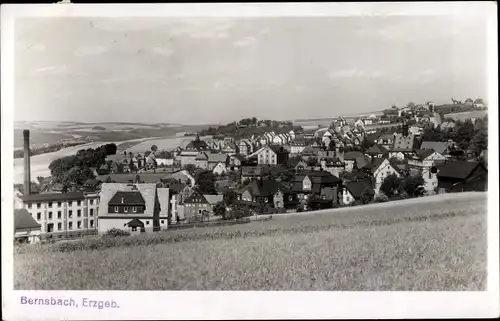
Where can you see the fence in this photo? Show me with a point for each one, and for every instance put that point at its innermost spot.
(207, 224)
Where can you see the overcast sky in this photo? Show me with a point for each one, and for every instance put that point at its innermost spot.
(211, 70)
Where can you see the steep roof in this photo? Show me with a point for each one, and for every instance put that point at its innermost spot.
(147, 191)
(217, 157)
(24, 220)
(197, 198)
(177, 187)
(439, 147)
(458, 169)
(377, 149)
(403, 142)
(213, 199)
(353, 155)
(277, 149)
(254, 170)
(422, 154)
(201, 156)
(264, 188)
(318, 178)
(127, 198)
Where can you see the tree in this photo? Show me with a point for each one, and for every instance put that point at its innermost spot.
(410, 184)
(367, 196)
(206, 182)
(287, 175)
(220, 210)
(480, 141)
(230, 197)
(154, 148)
(411, 105)
(190, 168)
(390, 185)
(312, 161)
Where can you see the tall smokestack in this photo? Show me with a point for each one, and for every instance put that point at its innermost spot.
(27, 168)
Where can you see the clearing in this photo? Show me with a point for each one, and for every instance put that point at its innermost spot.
(428, 244)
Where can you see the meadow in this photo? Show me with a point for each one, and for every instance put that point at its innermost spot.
(433, 243)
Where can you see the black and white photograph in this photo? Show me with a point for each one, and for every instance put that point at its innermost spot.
(255, 152)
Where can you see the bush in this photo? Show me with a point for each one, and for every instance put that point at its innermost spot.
(382, 198)
(114, 232)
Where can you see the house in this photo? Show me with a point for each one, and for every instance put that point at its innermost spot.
(400, 153)
(132, 207)
(214, 159)
(269, 192)
(367, 121)
(439, 147)
(404, 140)
(253, 172)
(202, 160)
(245, 147)
(447, 125)
(196, 145)
(353, 191)
(178, 193)
(63, 214)
(220, 168)
(196, 207)
(235, 162)
(423, 162)
(461, 176)
(278, 140)
(26, 229)
(415, 130)
(292, 135)
(92, 185)
(332, 165)
(377, 151)
(354, 160)
(182, 176)
(317, 183)
(380, 168)
(297, 146)
(230, 148)
(271, 155)
(297, 163)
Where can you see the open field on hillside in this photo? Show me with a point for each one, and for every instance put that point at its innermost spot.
(434, 243)
(162, 143)
(467, 115)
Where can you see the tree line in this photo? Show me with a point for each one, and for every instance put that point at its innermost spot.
(46, 149)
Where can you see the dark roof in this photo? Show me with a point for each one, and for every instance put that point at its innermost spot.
(318, 179)
(135, 223)
(357, 188)
(239, 157)
(177, 187)
(43, 197)
(375, 163)
(422, 154)
(377, 149)
(254, 170)
(265, 188)
(24, 220)
(125, 178)
(197, 144)
(127, 198)
(458, 169)
(353, 155)
(439, 147)
(196, 197)
(403, 142)
(277, 149)
(332, 161)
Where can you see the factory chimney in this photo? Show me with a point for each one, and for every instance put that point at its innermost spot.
(27, 167)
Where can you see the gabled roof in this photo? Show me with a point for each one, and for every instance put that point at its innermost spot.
(264, 188)
(422, 154)
(147, 191)
(254, 170)
(24, 220)
(201, 156)
(127, 198)
(353, 155)
(458, 169)
(135, 223)
(238, 157)
(318, 178)
(332, 161)
(377, 149)
(217, 157)
(196, 198)
(439, 147)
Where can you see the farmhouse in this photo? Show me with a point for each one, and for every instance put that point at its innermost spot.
(269, 192)
(461, 176)
(380, 168)
(352, 191)
(132, 207)
(377, 151)
(271, 155)
(354, 160)
(197, 207)
(318, 183)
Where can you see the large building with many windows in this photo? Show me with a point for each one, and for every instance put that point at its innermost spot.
(63, 214)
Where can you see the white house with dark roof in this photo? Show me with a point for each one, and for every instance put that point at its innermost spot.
(26, 229)
(380, 168)
(133, 207)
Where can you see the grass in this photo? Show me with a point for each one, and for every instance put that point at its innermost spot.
(438, 243)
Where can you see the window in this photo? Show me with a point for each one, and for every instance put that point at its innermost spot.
(70, 203)
(199, 211)
(70, 225)
(70, 213)
(79, 213)
(79, 203)
(116, 209)
(91, 202)
(50, 204)
(79, 224)
(125, 209)
(134, 209)
(59, 214)
(162, 222)
(91, 223)
(59, 204)
(29, 206)
(38, 216)
(38, 205)
(134, 229)
(290, 198)
(147, 222)
(59, 226)
(91, 212)
(50, 215)
(430, 174)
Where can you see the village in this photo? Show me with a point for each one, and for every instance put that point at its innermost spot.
(252, 168)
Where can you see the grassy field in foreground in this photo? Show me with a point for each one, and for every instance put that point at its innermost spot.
(437, 243)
